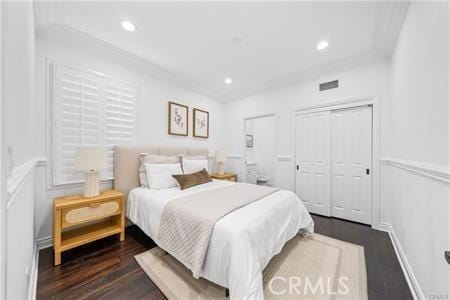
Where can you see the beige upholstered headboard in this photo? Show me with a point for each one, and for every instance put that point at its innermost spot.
(126, 163)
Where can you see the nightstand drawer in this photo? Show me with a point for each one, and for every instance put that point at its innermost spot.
(90, 212)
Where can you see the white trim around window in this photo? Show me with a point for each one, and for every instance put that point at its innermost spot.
(87, 110)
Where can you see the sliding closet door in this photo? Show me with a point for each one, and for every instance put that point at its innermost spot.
(351, 163)
(313, 161)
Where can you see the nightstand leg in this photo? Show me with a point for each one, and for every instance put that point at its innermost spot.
(122, 221)
(57, 258)
(57, 236)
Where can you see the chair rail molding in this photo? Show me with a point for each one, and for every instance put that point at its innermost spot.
(432, 171)
(18, 177)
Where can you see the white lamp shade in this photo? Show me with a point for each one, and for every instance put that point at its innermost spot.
(221, 157)
(90, 158)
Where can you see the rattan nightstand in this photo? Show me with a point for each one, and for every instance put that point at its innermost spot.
(78, 220)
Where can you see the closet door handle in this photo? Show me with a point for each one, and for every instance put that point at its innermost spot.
(367, 171)
(297, 167)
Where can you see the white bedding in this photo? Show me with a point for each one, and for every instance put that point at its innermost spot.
(242, 243)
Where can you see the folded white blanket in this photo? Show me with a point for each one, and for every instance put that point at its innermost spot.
(187, 222)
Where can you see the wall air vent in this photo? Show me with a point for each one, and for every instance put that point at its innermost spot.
(329, 85)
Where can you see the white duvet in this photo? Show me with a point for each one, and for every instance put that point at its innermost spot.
(242, 243)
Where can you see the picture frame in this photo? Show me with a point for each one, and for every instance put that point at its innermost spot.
(249, 141)
(178, 119)
(200, 123)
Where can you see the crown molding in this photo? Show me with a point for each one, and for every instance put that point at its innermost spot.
(389, 19)
(69, 36)
(368, 58)
(389, 22)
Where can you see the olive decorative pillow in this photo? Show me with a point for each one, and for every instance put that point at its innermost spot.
(189, 180)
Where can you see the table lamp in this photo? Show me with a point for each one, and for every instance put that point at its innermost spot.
(221, 158)
(91, 159)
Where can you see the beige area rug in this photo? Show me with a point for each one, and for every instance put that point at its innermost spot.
(317, 267)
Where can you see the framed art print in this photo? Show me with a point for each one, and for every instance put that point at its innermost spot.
(201, 123)
(178, 119)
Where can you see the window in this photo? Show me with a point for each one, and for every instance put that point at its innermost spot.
(89, 110)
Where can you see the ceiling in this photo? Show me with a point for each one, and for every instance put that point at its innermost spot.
(258, 44)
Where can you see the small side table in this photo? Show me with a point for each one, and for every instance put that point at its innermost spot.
(78, 220)
(225, 176)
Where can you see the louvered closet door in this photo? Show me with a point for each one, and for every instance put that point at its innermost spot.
(351, 164)
(77, 105)
(313, 161)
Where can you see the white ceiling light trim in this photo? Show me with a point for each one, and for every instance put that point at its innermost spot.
(322, 45)
(128, 26)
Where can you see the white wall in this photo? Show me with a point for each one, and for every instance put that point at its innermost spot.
(418, 110)
(361, 82)
(19, 86)
(3, 160)
(154, 95)
(419, 133)
(18, 100)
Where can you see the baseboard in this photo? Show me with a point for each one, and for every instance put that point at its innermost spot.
(406, 267)
(382, 226)
(45, 242)
(33, 275)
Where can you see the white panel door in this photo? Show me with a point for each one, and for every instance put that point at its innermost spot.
(351, 132)
(313, 159)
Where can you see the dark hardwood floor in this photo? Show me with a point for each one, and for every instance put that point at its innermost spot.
(106, 269)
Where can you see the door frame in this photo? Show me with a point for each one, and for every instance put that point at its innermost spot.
(244, 147)
(373, 101)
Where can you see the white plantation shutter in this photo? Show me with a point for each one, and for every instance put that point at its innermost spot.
(89, 111)
(120, 118)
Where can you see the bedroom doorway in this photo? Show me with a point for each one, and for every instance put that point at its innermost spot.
(259, 150)
(334, 162)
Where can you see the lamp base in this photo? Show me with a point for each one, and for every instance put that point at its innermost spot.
(221, 172)
(91, 184)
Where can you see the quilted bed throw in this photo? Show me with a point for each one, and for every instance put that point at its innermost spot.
(187, 222)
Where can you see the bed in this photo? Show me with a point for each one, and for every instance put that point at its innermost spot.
(242, 243)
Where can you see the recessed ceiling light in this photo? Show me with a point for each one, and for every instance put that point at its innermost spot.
(228, 80)
(127, 25)
(322, 45)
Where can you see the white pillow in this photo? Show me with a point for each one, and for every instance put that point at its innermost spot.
(194, 165)
(159, 176)
(146, 158)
